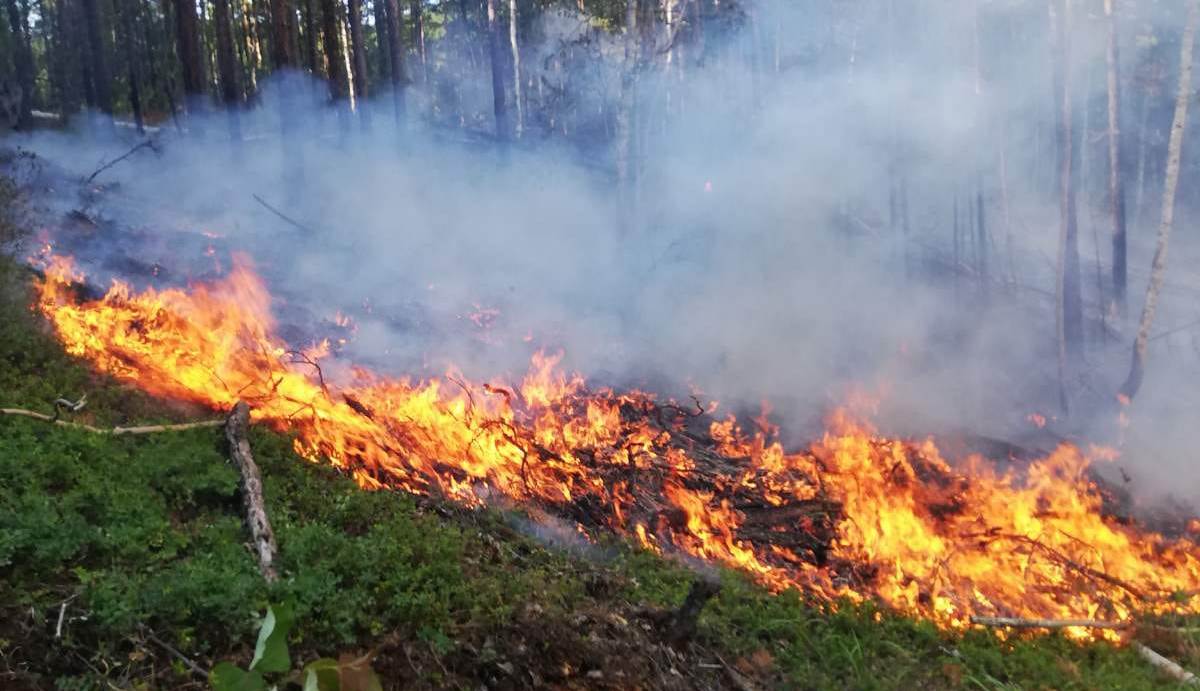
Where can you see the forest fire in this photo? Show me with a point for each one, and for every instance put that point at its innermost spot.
(855, 515)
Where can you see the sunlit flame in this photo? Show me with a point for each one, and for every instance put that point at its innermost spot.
(856, 515)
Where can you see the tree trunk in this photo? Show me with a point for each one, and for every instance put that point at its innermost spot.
(418, 17)
(1171, 182)
(399, 73)
(335, 63)
(379, 9)
(18, 24)
(67, 59)
(626, 117)
(499, 107)
(358, 53)
(228, 68)
(282, 55)
(310, 39)
(101, 78)
(1069, 304)
(187, 39)
(516, 58)
(1116, 186)
(126, 10)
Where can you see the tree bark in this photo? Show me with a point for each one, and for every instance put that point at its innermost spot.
(516, 59)
(1116, 184)
(18, 24)
(358, 54)
(227, 67)
(1158, 266)
(101, 78)
(499, 107)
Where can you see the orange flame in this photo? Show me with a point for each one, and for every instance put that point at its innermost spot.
(902, 525)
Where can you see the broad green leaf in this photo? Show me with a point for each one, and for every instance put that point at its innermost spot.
(357, 675)
(271, 652)
(228, 677)
(322, 675)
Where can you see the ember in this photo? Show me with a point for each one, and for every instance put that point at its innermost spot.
(856, 515)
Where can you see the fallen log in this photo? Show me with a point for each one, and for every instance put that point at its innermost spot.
(1166, 665)
(236, 429)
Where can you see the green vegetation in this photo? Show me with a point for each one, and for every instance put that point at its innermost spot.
(137, 545)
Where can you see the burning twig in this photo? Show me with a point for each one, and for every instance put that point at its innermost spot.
(236, 430)
(1019, 623)
(115, 431)
(144, 144)
(288, 219)
(1166, 665)
(303, 358)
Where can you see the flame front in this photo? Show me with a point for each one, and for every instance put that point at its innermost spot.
(855, 515)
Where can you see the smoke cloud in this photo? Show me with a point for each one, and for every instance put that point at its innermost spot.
(793, 233)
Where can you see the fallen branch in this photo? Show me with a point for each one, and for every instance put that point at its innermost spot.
(62, 614)
(115, 431)
(144, 144)
(288, 219)
(236, 430)
(1019, 623)
(195, 668)
(1166, 665)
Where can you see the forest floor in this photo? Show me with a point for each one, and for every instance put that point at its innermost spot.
(124, 564)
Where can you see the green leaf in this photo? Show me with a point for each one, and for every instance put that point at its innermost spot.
(271, 652)
(322, 675)
(228, 677)
(356, 674)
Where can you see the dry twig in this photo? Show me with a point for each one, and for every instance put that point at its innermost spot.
(144, 144)
(115, 431)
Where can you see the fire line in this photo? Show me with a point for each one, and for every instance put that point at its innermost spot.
(855, 516)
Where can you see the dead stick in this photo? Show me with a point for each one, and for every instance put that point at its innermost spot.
(148, 143)
(195, 668)
(1018, 623)
(115, 431)
(1166, 665)
(291, 221)
(236, 430)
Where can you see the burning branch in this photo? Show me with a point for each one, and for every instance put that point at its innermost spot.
(1019, 623)
(236, 429)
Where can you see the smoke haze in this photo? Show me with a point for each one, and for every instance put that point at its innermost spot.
(765, 261)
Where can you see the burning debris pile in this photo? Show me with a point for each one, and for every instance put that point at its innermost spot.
(854, 516)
